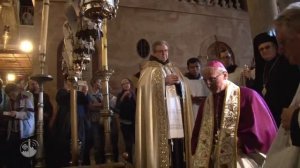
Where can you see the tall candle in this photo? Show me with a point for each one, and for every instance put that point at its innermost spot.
(104, 45)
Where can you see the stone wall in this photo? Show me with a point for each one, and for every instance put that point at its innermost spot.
(189, 28)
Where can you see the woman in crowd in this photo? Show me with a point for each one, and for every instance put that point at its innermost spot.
(126, 104)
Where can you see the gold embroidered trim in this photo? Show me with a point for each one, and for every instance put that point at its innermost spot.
(226, 149)
(227, 145)
(205, 142)
(164, 161)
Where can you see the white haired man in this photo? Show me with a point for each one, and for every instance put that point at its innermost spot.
(234, 124)
(285, 150)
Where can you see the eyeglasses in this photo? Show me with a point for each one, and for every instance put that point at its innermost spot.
(212, 79)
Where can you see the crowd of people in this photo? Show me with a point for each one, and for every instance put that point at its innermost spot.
(19, 118)
(214, 115)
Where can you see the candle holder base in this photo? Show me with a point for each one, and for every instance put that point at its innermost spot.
(40, 78)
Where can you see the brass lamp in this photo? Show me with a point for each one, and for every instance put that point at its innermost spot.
(79, 47)
(99, 11)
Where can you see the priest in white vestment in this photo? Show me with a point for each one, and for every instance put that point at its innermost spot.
(199, 90)
(164, 117)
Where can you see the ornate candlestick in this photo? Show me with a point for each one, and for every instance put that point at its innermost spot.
(103, 10)
(41, 78)
(104, 74)
(93, 15)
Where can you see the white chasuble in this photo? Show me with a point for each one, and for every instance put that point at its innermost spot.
(174, 113)
(174, 110)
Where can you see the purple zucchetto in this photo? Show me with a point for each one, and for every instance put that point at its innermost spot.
(216, 64)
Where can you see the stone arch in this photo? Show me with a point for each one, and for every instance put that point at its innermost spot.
(211, 47)
(214, 50)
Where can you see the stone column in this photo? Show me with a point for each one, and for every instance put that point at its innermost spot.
(261, 15)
